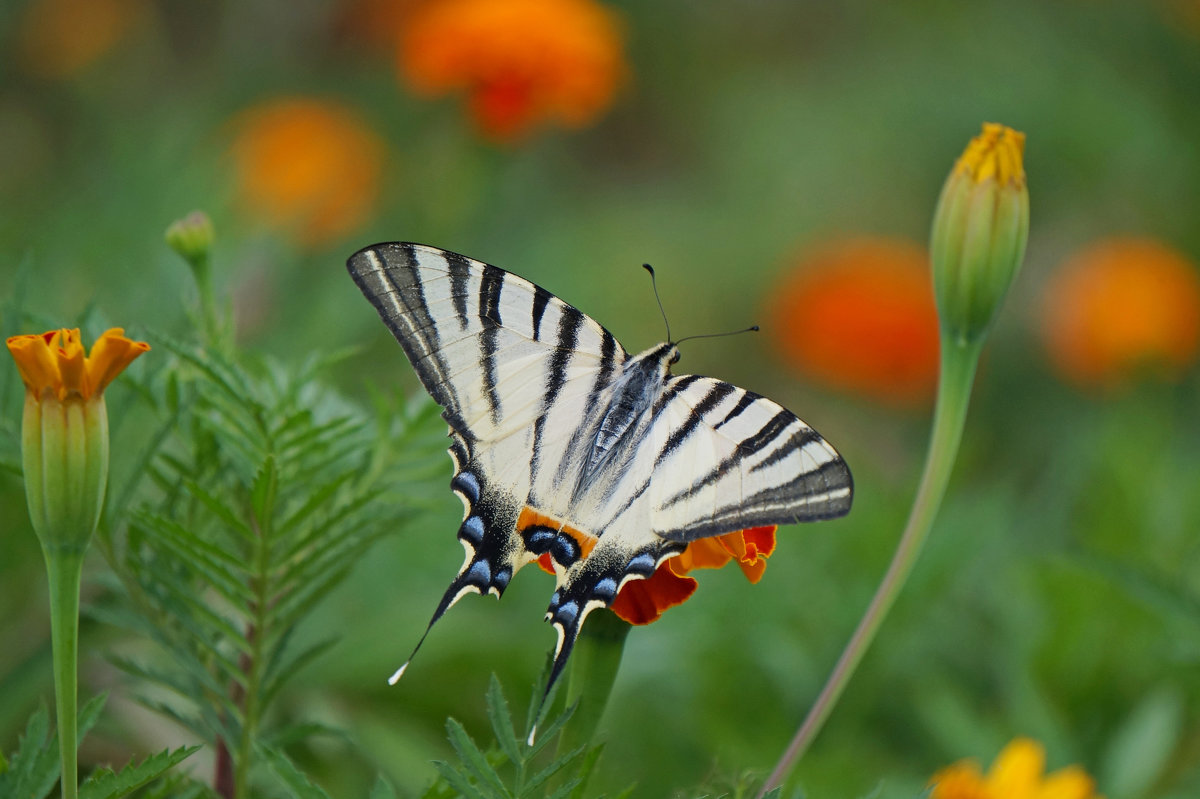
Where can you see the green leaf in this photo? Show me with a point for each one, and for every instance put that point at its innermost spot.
(382, 790)
(262, 496)
(34, 767)
(501, 720)
(107, 784)
(458, 781)
(586, 768)
(1143, 745)
(558, 765)
(474, 759)
(289, 775)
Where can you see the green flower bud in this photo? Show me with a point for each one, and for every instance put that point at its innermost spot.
(192, 238)
(979, 232)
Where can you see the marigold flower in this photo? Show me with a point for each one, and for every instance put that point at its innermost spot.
(1121, 307)
(64, 435)
(643, 601)
(859, 315)
(521, 62)
(307, 166)
(58, 38)
(979, 231)
(1017, 773)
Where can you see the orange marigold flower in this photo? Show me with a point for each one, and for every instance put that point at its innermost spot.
(54, 362)
(64, 430)
(1017, 773)
(307, 166)
(1121, 307)
(58, 38)
(859, 315)
(643, 601)
(521, 62)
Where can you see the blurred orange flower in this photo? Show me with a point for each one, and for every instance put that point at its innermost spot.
(58, 38)
(308, 166)
(1016, 773)
(643, 601)
(859, 315)
(1120, 307)
(521, 62)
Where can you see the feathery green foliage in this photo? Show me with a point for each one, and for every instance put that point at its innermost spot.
(511, 768)
(261, 478)
(34, 768)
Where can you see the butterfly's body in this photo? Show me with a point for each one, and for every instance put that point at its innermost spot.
(565, 445)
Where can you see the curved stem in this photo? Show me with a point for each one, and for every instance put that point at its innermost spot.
(64, 569)
(959, 359)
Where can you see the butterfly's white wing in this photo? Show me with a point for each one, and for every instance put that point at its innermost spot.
(512, 366)
(711, 459)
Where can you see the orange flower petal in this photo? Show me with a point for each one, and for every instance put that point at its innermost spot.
(111, 353)
(36, 361)
(643, 601)
(963, 780)
(703, 553)
(55, 361)
(308, 166)
(859, 315)
(1121, 306)
(522, 62)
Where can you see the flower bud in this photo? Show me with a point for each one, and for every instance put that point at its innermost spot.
(979, 232)
(64, 431)
(192, 238)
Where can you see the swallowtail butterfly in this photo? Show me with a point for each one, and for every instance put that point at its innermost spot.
(564, 443)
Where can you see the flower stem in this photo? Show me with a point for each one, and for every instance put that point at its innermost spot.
(64, 569)
(959, 360)
(594, 665)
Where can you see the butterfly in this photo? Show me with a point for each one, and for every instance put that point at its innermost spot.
(566, 445)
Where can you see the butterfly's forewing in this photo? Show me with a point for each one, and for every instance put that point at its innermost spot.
(512, 366)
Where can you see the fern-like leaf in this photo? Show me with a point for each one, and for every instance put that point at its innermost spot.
(107, 784)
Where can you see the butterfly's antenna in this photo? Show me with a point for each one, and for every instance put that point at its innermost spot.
(654, 285)
(751, 329)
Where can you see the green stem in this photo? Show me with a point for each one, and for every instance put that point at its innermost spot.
(959, 359)
(594, 665)
(64, 569)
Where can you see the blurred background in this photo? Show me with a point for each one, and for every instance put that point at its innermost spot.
(778, 162)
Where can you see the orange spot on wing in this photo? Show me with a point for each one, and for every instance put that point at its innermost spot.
(531, 517)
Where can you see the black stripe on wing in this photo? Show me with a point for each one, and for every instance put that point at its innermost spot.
(489, 316)
(387, 276)
(569, 324)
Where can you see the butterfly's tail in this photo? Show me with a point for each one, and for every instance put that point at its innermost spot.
(486, 570)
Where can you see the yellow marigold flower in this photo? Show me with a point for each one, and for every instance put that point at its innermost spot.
(1018, 772)
(979, 231)
(64, 433)
(307, 166)
(58, 38)
(1121, 307)
(521, 62)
